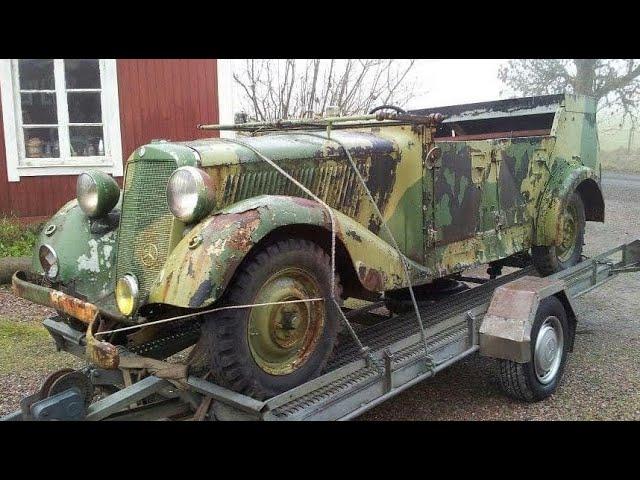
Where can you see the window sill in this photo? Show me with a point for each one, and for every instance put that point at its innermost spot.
(65, 169)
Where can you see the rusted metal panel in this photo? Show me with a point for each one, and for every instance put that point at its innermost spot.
(505, 331)
(83, 311)
(98, 352)
(79, 309)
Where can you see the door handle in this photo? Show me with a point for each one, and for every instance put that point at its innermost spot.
(478, 166)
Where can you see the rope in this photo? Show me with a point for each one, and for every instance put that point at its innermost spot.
(364, 350)
(202, 312)
(388, 231)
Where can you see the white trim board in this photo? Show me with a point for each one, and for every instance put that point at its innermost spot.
(225, 95)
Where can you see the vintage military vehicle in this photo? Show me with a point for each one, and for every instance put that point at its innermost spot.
(240, 230)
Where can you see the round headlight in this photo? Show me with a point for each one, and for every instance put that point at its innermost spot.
(97, 193)
(190, 194)
(127, 295)
(48, 261)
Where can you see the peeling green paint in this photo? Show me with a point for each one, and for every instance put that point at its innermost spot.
(482, 200)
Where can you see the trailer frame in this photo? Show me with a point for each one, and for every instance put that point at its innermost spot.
(351, 384)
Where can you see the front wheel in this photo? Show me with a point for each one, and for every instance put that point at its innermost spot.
(265, 350)
(539, 378)
(552, 259)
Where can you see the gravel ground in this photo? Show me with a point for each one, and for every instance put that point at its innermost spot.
(602, 378)
(27, 352)
(601, 382)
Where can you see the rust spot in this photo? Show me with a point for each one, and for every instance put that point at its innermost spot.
(190, 270)
(83, 311)
(103, 354)
(167, 283)
(305, 202)
(241, 239)
(371, 278)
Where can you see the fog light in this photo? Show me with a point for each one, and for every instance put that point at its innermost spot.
(48, 261)
(127, 295)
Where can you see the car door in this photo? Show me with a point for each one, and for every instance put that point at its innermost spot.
(462, 194)
(519, 159)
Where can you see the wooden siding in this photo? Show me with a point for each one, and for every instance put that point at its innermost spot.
(158, 99)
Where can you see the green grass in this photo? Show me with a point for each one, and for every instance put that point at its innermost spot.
(28, 347)
(17, 240)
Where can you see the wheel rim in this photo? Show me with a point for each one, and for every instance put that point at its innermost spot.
(282, 337)
(548, 350)
(569, 234)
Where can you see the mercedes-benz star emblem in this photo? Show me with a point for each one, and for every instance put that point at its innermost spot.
(149, 255)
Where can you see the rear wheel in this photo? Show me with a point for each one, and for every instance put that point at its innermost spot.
(539, 378)
(555, 258)
(263, 351)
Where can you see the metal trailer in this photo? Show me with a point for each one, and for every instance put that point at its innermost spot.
(492, 318)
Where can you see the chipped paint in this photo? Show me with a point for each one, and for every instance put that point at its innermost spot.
(90, 261)
(478, 201)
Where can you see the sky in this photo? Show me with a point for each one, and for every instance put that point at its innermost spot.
(449, 82)
(441, 82)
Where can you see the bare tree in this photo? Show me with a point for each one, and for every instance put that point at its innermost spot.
(289, 88)
(615, 83)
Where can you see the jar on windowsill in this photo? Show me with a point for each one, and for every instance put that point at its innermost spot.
(34, 147)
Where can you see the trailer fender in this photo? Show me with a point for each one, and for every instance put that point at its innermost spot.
(567, 180)
(203, 263)
(505, 331)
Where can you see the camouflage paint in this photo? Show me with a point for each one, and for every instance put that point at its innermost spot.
(202, 263)
(479, 201)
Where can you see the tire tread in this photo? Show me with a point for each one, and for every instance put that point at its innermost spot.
(229, 368)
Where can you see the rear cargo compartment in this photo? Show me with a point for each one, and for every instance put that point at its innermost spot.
(518, 117)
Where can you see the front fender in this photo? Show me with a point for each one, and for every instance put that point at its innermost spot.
(201, 266)
(86, 255)
(565, 180)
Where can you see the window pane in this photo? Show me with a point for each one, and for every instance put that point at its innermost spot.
(86, 141)
(41, 142)
(39, 108)
(82, 73)
(36, 74)
(84, 107)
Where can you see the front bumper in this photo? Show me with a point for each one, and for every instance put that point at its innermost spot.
(101, 353)
(74, 307)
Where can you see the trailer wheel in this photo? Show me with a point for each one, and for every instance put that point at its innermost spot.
(264, 351)
(539, 378)
(552, 259)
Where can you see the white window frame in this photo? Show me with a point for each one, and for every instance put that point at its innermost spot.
(20, 166)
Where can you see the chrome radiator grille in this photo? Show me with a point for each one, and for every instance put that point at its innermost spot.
(146, 224)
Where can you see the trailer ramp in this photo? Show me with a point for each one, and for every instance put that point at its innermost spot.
(352, 386)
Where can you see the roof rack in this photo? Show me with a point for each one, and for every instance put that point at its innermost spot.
(328, 122)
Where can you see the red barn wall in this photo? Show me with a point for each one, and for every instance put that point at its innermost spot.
(158, 99)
